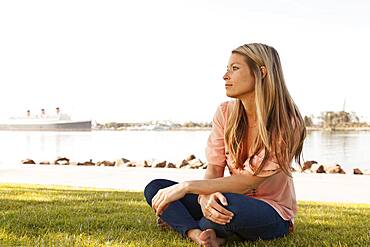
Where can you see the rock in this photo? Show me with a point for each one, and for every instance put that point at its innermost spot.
(28, 161)
(170, 165)
(45, 162)
(122, 162)
(61, 161)
(195, 163)
(182, 164)
(316, 168)
(125, 160)
(143, 163)
(159, 164)
(307, 165)
(119, 162)
(129, 164)
(190, 157)
(335, 169)
(307, 171)
(86, 163)
(357, 171)
(296, 168)
(105, 163)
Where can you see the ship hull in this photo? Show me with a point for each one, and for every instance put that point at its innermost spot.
(56, 126)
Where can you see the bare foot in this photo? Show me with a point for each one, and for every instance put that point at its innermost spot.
(209, 239)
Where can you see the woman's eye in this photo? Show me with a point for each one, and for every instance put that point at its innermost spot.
(235, 68)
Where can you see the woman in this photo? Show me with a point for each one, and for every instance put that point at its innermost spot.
(256, 137)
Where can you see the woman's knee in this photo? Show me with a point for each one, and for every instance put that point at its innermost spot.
(250, 213)
(152, 188)
(234, 202)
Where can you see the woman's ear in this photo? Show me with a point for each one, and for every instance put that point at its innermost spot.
(263, 71)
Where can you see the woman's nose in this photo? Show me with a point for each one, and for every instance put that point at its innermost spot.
(226, 76)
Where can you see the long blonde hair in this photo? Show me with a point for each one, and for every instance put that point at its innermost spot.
(281, 128)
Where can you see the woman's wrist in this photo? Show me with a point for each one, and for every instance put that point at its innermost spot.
(185, 187)
(199, 197)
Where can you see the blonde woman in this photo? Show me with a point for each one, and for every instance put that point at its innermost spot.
(256, 137)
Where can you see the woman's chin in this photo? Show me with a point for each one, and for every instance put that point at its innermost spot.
(230, 95)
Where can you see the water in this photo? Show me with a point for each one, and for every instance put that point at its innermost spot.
(349, 149)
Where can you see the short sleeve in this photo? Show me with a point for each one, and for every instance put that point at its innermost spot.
(270, 168)
(215, 151)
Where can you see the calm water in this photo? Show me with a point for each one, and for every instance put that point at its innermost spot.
(350, 149)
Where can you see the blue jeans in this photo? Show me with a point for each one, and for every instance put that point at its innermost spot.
(253, 219)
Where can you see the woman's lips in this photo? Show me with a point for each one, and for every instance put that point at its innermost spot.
(228, 85)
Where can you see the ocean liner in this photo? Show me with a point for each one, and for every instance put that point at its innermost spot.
(44, 122)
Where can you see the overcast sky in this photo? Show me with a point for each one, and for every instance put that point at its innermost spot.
(164, 60)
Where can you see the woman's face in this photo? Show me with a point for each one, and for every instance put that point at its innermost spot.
(239, 79)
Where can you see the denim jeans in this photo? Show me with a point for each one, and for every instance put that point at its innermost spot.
(253, 219)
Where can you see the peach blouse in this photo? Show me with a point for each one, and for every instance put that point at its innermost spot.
(277, 189)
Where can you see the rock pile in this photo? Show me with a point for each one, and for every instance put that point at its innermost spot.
(313, 167)
(192, 162)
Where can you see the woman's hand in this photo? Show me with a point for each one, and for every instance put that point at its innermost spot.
(213, 210)
(167, 195)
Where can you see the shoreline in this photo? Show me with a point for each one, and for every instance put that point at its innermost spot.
(193, 163)
(338, 129)
(209, 129)
(308, 187)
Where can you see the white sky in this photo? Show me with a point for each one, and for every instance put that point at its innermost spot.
(164, 60)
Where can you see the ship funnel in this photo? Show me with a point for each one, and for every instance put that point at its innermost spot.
(43, 113)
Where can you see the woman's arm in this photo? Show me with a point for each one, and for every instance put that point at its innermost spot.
(214, 172)
(239, 183)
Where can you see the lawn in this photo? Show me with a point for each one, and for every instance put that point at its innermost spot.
(64, 216)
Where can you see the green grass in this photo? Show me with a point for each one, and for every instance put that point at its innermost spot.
(64, 216)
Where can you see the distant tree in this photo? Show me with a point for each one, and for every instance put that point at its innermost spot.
(333, 119)
(189, 124)
(308, 121)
